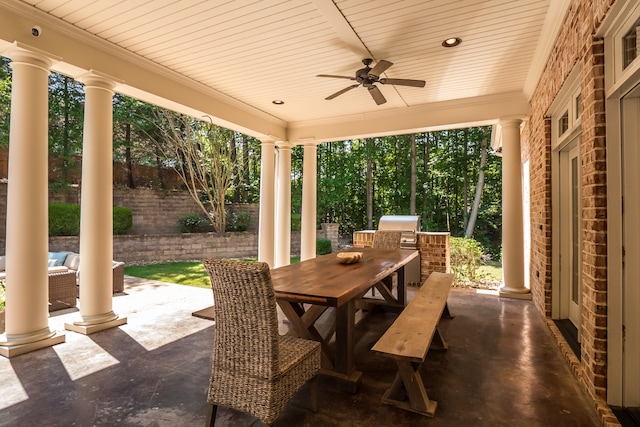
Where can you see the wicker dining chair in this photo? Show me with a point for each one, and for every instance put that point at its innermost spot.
(386, 239)
(254, 369)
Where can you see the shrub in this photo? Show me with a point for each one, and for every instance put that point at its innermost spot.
(296, 222)
(122, 220)
(465, 257)
(191, 223)
(323, 246)
(238, 221)
(64, 219)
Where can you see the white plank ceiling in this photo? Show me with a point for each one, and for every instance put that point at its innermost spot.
(257, 51)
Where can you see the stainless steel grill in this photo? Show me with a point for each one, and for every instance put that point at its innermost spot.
(408, 224)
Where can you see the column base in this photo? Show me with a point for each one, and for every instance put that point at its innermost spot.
(87, 329)
(519, 293)
(15, 350)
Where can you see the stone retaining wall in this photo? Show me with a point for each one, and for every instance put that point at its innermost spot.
(149, 248)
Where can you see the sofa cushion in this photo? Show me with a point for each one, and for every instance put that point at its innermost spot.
(72, 262)
(58, 257)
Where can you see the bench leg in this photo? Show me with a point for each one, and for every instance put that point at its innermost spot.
(446, 313)
(438, 342)
(409, 377)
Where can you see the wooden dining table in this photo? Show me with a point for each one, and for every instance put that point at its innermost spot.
(306, 290)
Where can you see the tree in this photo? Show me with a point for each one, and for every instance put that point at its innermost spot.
(5, 100)
(66, 121)
(201, 156)
(412, 200)
(478, 197)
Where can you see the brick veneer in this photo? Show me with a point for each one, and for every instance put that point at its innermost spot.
(575, 45)
(434, 248)
(435, 253)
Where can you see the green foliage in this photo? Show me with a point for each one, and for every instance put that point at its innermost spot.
(64, 219)
(191, 223)
(296, 222)
(122, 220)
(239, 221)
(323, 246)
(2, 295)
(66, 116)
(465, 258)
(447, 169)
(5, 101)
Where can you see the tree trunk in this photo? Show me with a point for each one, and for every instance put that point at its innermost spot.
(234, 173)
(412, 197)
(426, 186)
(369, 185)
(127, 153)
(478, 197)
(245, 168)
(465, 182)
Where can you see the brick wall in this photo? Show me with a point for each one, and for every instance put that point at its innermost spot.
(575, 45)
(435, 253)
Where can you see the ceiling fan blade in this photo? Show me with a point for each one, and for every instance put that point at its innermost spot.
(403, 82)
(336, 77)
(380, 68)
(376, 94)
(340, 92)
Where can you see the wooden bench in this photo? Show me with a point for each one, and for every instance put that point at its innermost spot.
(408, 340)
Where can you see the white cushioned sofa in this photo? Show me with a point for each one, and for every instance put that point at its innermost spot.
(71, 260)
(64, 268)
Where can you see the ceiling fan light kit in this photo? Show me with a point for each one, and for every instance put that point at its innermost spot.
(368, 76)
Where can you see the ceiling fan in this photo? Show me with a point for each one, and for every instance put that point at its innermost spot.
(367, 76)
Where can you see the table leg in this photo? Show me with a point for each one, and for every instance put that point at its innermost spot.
(303, 322)
(344, 346)
(402, 288)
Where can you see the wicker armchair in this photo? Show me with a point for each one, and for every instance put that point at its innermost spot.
(255, 370)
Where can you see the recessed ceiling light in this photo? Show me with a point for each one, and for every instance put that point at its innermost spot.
(452, 41)
(278, 102)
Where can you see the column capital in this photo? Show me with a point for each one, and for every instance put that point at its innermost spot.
(21, 53)
(510, 122)
(99, 80)
(268, 141)
(284, 146)
(310, 143)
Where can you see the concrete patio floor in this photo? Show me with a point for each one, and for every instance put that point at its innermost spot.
(502, 368)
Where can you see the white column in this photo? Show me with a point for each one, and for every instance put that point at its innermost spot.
(27, 242)
(266, 228)
(283, 206)
(309, 202)
(96, 210)
(512, 214)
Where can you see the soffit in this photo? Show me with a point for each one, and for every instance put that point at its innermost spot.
(251, 52)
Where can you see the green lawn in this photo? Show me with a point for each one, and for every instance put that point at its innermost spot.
(182, 273)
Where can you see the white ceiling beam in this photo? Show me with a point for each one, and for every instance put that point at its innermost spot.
(478, 111)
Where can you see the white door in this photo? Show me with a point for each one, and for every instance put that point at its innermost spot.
(576, 247)
(570, 233)
(631, 249)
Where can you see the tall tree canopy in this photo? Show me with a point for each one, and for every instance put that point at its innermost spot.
(450, 178)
